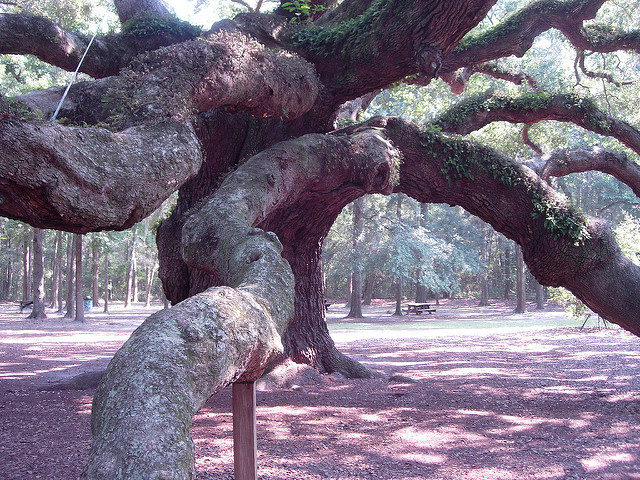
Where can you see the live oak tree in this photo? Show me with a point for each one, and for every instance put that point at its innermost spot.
(240, 119)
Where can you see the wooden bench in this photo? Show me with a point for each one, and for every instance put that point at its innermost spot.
(420, 308)
(327, 305)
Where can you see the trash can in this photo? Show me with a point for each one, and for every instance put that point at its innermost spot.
(88, 303)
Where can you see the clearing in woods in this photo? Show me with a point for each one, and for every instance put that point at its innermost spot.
(467, 393)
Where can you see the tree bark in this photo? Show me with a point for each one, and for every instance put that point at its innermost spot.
(71, 268)
(355, 310)
(79, 314)
(37, 290)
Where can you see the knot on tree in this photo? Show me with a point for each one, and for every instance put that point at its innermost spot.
(429, 60)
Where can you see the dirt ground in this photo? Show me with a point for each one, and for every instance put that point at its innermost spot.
(467, 393)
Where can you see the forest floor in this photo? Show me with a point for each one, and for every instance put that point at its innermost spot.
(467, 393)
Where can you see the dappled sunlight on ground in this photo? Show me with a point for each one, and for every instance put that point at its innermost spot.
(528, 404)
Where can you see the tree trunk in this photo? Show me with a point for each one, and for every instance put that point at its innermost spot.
(506, 271)
(37, 290)
(55, 269)
(60, 292)
(106, 281)
(149, 277)
(77, 240)
(521, 298)
(95, 259)
(421, 292)
(355, 310)
(71, 268)
(398, 312)
(26, 269)
(540, 296)
(131, 270)
(134, 278)
(307, 339)
(349, 289)
(7, 272)
(368, 289)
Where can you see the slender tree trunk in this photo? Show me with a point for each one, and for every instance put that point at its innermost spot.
(131, 270)
(368, 289)
(106, 281)
(71, 297)
(55, 269)
(349, 285)
(26, 269)
(95, 261)
(540, 296)
(355, 310)
(134, 278)
(37, 289)
(398, 312)
(506, 271)
(149, 277)
(7, 272)
(521, 299)
(77, 240)
(436, 294)
(485, 255)
(421, 291)
(60, 292)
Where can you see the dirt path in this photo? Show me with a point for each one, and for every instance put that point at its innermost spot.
(520, 400)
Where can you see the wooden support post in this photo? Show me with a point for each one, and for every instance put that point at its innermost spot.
(245, 451)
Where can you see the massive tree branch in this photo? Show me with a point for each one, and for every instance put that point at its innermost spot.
(179, 357)
(131, 9)
(24, 34)
(364, 45)
(478, 112)
(87, 179)
(561, 246)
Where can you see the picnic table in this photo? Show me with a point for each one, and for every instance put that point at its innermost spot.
(419, 308)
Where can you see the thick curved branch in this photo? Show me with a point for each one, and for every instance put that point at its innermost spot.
(561, 246)
(87, 179)
(365, 45)
(516, 34)
(179, 357)
(23, 34)
(478, 112)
